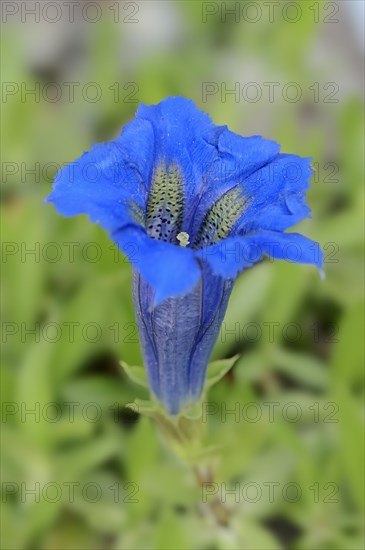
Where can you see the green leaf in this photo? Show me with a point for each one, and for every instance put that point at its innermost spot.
(170, 533)
(251, 536)
(305, 369)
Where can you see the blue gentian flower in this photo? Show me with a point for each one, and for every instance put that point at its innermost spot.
(192, 205)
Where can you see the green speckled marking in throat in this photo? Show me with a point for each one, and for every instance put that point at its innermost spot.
(221, 217)
(165, 208)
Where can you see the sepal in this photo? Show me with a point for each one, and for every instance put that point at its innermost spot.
(184, 433)
(218, 369)
(136, 374)
(144, 406)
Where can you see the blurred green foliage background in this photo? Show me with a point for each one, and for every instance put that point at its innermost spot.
(101, 478)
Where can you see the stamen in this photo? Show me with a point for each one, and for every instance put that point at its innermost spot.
(183, 239)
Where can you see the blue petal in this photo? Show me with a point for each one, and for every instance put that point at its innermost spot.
(234, 254)
(244, 155)
(276, 195)
(291, 247)
(143, 298)
(178, 336)
(212, 158)
(237, 159)
(106, 181)
(137, 143)
(171, 270)
(182, 133)
(185, 136)
(215, 292)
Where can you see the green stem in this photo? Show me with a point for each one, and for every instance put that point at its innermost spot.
(183, 436)
(217, 508)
